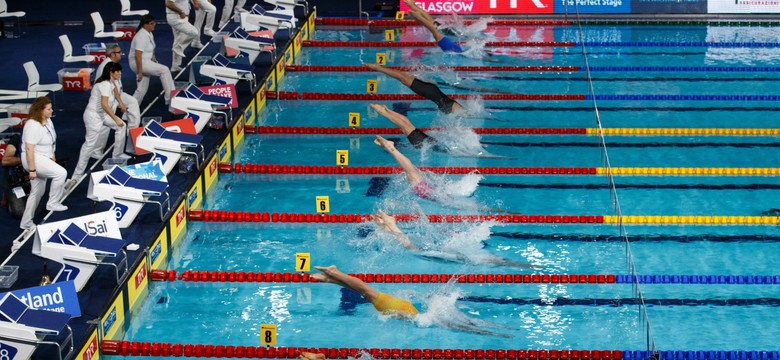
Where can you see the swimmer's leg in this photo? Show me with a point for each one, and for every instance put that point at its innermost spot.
(417, 9)
(332, 275)
(412, 175)
(402, 76)
(426, 20)
(397, 119)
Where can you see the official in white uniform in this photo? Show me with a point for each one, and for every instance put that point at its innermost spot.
(227, 11)
(177, 13)
(39, 141)
(128, 105)
(101, 112)
(143, 62)
(205, 12)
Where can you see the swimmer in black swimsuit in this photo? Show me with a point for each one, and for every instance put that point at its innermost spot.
(423, 88)
(418, 139)
(415, 136)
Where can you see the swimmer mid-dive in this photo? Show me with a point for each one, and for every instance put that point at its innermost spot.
(419, 139)
(423, 88)
(421, 188)
(388, 224)
(429, 91)
(444, 43)
(399, 308)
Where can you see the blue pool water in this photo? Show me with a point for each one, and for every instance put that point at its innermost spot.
(536, 316)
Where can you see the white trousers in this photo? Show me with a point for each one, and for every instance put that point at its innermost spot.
(152, 68)
(183, 34)
(95, 124)
(206, 12)
(227, 11)
(45, 169)
(132, 117)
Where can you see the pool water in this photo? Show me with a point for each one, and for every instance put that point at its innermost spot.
(533, 316)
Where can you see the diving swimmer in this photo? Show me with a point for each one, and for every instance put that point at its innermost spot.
(393, 306)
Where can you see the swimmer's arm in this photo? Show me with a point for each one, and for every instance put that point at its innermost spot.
(404, 240)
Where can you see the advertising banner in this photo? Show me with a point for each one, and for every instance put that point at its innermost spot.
(743, 6)
(58, 297)
(485, 6)
(669, 6)
(593, 6)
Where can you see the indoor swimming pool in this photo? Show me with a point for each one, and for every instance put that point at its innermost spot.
(688, 116)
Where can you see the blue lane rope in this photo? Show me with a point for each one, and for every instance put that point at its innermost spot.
(700, 279)
(686, 68)
(702, 355)
(686, 97)
(689, 44)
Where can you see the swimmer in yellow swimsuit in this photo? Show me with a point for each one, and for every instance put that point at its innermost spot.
(383, 303)
(400, 308)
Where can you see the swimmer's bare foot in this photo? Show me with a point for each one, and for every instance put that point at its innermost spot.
(375, 67)
(380, 109)
(385, 144)
(328, 270)
(311, 356)
(323, 278)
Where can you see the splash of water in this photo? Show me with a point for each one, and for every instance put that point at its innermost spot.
(442, 311)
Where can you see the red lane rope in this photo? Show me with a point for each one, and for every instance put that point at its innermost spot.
(332, 68)
(286, 277)
(377, 170)
(392, 131)
(294, 95)
(387, 44)
(133, 348)
(404, 23)
(266, 217)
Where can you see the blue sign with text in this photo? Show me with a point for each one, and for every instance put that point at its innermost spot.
(593, 6)
(58, 297)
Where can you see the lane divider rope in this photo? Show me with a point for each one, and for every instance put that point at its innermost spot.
(239, 168)
(267, 217)
(347, 68)
(622, 44)
(404, 23)
(295, 95)
(392, 278)
(251, 129)
(653, 22)
(133, 348)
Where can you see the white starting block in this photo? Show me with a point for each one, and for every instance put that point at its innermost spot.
(82, 244)
(129, 188)
(224, 71)
(258, 18)
(250, 45)
(171, 145)
(23, 329)
(200, 106)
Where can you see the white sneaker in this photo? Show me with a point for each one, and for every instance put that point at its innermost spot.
(123, 157)
(197, 45)
(57, 207)
(209, 32)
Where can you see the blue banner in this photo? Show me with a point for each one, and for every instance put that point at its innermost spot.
(593, 6)
(58, 297)
(669, 6)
